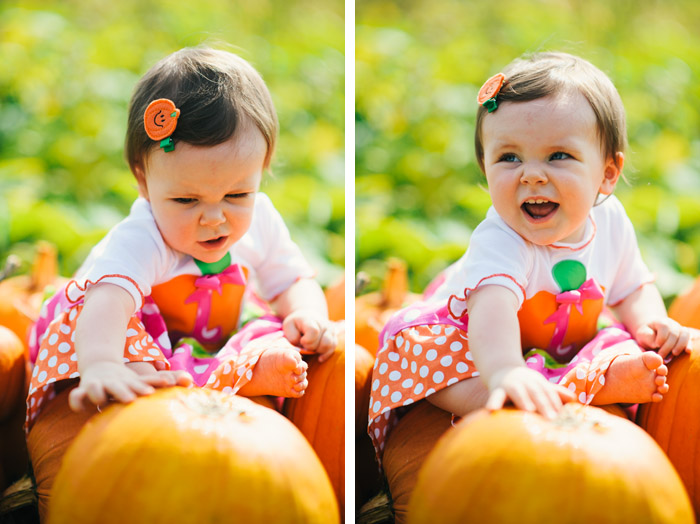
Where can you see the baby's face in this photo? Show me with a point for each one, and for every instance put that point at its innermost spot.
(545, 166)
(202, 197)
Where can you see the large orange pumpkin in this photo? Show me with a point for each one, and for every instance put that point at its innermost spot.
(373, 310)
(13, 369)
(21, 296)
(673, 422)
(191, 456)
(511, 466)
(320, 414)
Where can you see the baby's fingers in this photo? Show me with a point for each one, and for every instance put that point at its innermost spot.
(683, 343)
(76, 398)
(497, 399)
(327, 345)
(565, 394)
(669, 345)
(312, 337)
(177, 378)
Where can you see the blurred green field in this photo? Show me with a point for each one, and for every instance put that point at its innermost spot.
(419, 65)
(67, 70)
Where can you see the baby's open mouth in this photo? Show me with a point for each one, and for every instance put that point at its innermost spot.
(539, 208)
(214, 242)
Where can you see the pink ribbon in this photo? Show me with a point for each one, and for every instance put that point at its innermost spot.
(205, 287)
(589, 290)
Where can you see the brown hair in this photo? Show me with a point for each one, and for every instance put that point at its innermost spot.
(214, 90)
(545, 74)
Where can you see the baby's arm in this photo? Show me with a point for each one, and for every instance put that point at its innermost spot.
(305, 313)
(100, 334)
(494, 340)
(644, 315)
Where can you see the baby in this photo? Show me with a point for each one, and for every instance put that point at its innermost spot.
(157, 299)
(521, 308)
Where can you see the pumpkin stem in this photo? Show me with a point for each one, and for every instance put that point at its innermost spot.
(11, 265)
(396, 283)
(45, 267)
(361, 282)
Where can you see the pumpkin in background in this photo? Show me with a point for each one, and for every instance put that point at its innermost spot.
(686, 307)
(21, 296)
(14, 381)
(673, 422)
(13, 371)
(191, 456)
(320, 414)
(335, 298)
(367, 475)
(373, 310)
(514, 466)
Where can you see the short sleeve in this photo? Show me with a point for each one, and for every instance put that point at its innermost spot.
(133, 256)
(497, 255)
(281, 262)
(631, 272)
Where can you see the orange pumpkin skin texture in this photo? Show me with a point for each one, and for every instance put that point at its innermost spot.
(511, 466)
(13, 371)
(686, 307)
(320, 415)
(191, 456)
(673, 422)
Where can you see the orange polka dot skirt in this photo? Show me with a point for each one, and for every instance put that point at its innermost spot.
(54, 357)
(420, 360)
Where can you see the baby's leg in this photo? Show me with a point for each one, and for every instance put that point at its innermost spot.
(279, 371)
(638, 377)
(462, 397)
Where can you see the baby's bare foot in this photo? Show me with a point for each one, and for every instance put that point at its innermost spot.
(633, 379)
(280, 372)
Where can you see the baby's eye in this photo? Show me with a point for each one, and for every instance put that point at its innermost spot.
(184, 200)
(237, 195)
(559, 155)
(508, 157)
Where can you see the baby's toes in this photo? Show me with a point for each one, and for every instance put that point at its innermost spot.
(301, 386)
(662, 388)
(301, 368)
(653, 361)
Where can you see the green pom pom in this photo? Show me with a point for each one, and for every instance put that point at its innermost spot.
(569, 274)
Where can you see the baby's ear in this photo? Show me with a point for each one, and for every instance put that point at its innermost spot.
(612, 172)
(140, 176)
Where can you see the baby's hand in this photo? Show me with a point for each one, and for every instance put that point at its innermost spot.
(664, 335)
(102, 381)
(528, 390)
(311, 331)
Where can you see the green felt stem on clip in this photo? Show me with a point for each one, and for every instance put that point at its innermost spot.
(490, 105)
(167, 144)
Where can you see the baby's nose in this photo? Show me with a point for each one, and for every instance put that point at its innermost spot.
(533, 174)
(212, 216)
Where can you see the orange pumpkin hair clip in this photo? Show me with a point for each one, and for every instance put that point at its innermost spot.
(160, 121)
(487, 93)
